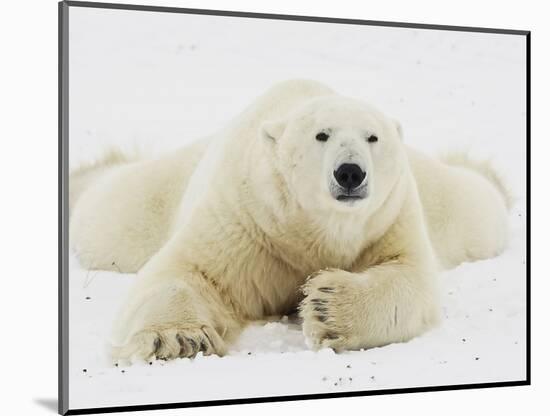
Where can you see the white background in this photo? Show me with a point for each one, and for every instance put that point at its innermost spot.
(29, 224)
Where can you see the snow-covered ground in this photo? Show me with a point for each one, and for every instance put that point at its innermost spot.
(158, 81)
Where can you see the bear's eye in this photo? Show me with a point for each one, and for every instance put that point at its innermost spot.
(322, 137)
(372, 138)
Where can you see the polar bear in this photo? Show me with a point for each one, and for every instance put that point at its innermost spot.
(308, 201)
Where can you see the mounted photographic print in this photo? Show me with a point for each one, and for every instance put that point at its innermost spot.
(264, 207)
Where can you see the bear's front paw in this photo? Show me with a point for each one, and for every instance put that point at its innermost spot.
(329, 310)
(170, 342)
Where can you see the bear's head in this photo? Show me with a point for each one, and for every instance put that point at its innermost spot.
(337, 154)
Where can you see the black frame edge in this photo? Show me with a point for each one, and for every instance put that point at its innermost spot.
(165, 406)
(63, 295)
(63, 83)
(528, 200)
(273, 16)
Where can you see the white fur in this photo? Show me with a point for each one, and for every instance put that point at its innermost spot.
(246, 225)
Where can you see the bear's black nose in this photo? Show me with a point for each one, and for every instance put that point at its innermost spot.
(349, 176)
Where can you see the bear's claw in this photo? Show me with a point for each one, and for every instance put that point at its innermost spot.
(324, 310)
(169, 343)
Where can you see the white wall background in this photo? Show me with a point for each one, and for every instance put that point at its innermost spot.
(29, 225)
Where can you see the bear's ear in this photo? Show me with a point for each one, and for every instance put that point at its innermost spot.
(272, 130)
(399, 129)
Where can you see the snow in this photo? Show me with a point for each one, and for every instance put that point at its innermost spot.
(154, 81)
